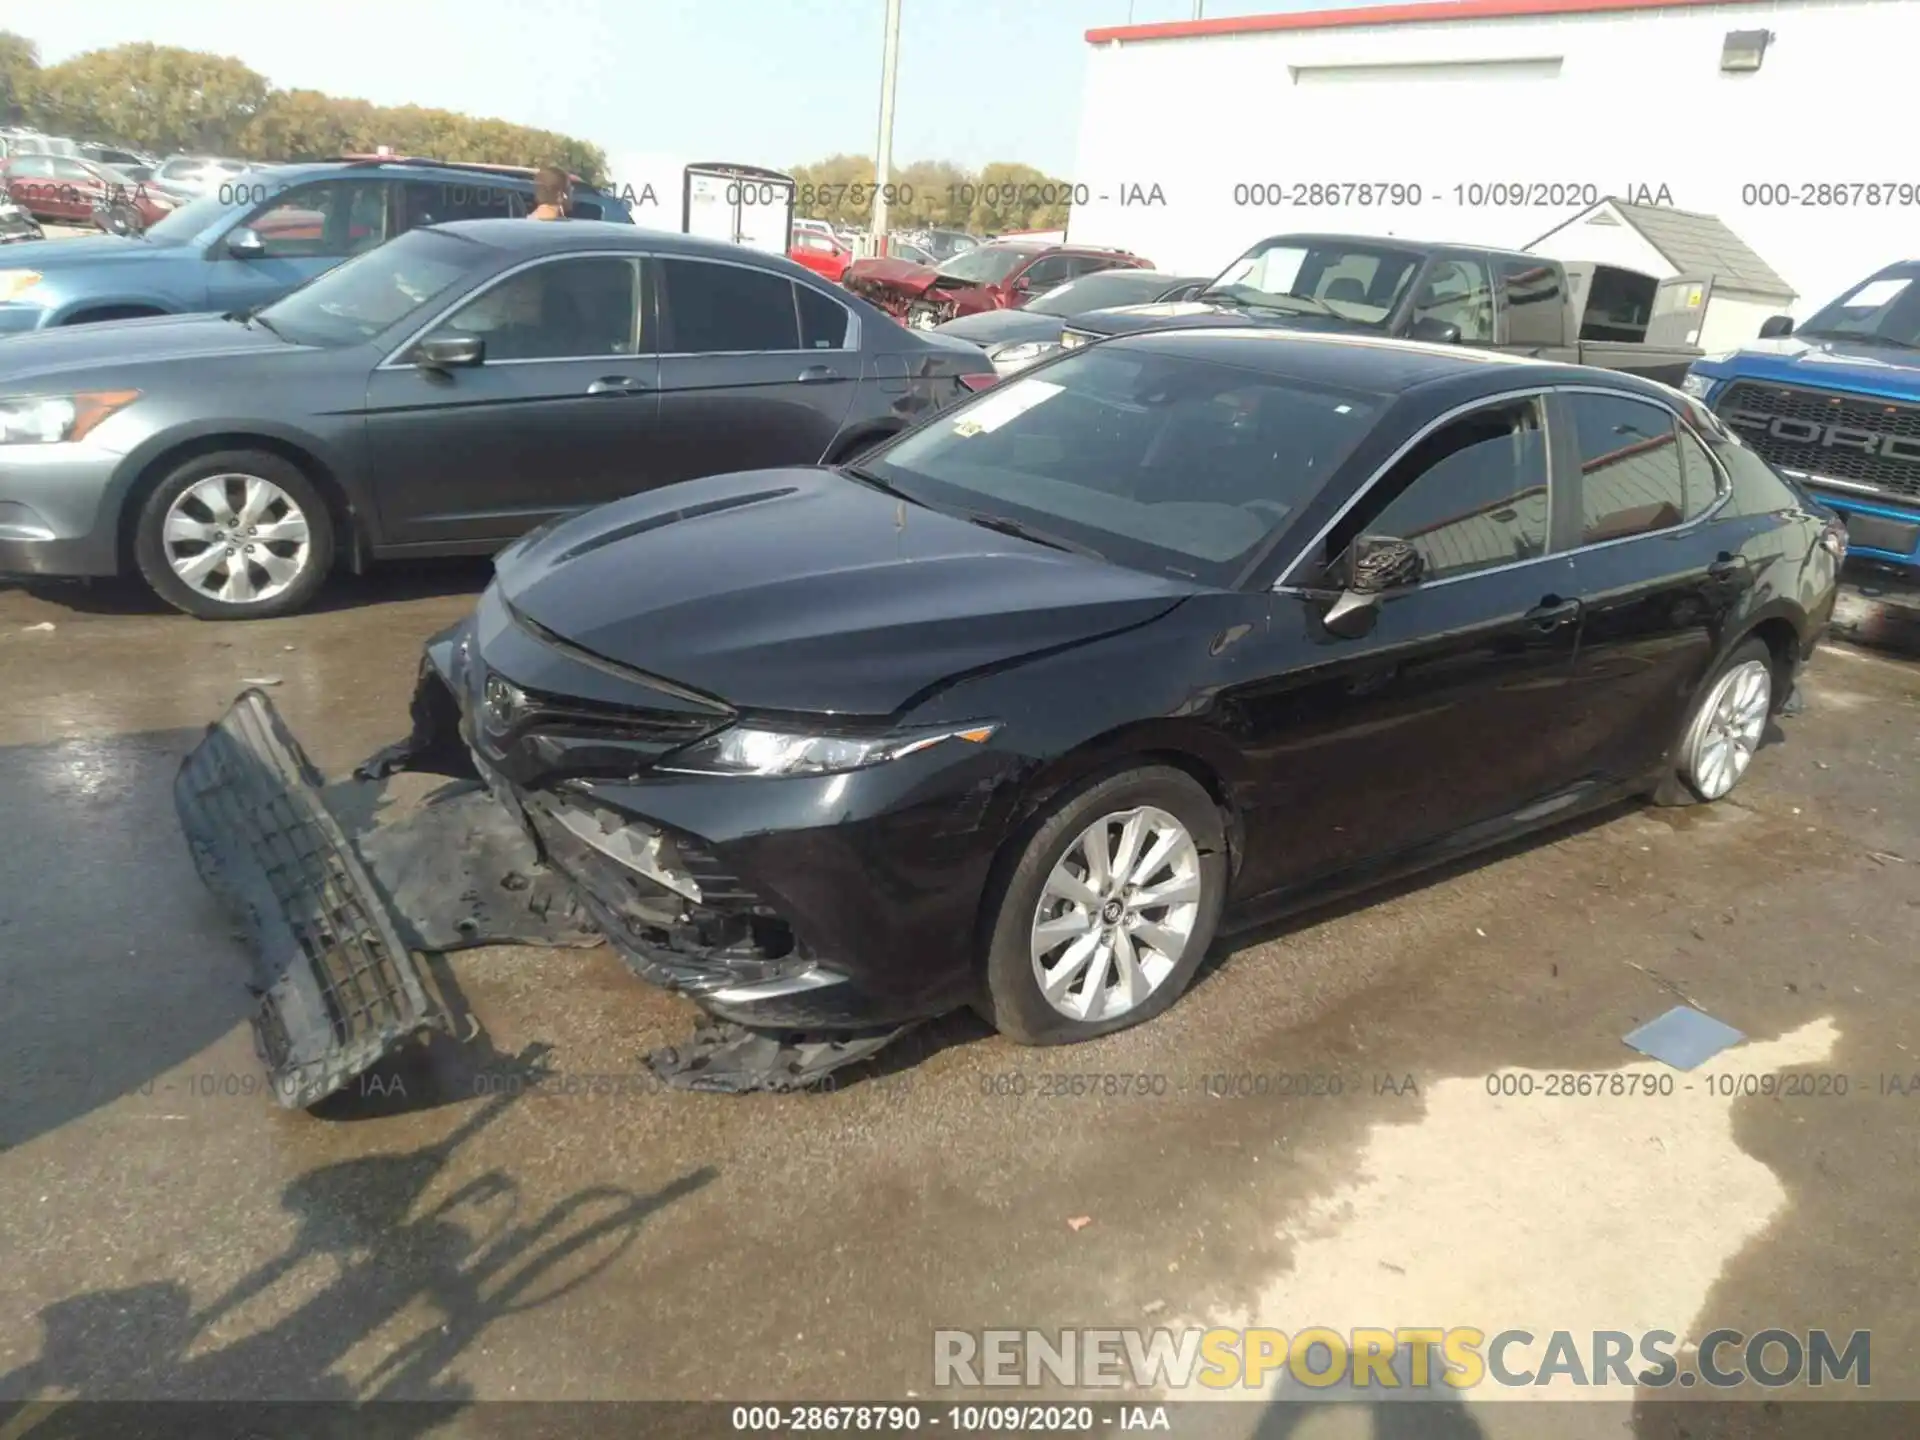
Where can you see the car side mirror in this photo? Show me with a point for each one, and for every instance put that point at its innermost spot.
(451, 352)
(1774, 326)
(1375, 564)
(1435, 332)
(244, 243)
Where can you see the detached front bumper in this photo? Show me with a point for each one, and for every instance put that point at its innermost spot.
(824, 913)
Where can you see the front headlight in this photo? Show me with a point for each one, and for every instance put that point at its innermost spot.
(1697, 385)
(750, 750)
(1017, 354)
(52, 419)
(15, 283)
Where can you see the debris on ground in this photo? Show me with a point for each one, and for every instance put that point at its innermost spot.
(735, 1060)
(260, 680)
(1079, 1222)
(43, 625)
(1684, 1038)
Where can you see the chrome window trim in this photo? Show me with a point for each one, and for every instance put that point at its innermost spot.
(852, 338)
(1722, 481)
(392, 362)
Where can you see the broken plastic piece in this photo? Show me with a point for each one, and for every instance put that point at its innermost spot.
(433, 744)
(337, 987)
(733, 1059)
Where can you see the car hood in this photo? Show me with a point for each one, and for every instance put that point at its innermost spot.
(805, 590)
(50, 257)
(1197, 315)
(38, 355)
(1844, 364)
(998, 327)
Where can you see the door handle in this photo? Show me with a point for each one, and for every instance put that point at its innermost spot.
(617, 385)
(814, 374)
(1552, 612)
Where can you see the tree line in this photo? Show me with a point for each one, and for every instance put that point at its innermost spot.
(162, 99)
(992, 200)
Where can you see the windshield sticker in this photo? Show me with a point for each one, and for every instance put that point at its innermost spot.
(1004, 404)
(1875, 293)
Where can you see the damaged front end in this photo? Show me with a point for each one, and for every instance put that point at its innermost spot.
(340, 918)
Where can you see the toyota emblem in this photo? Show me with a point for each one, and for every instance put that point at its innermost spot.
(504, 701)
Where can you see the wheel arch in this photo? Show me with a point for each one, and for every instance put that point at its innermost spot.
(155, 468)
(93, 312)
(1206, 761)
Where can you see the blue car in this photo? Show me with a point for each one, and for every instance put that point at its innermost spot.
(251, 240)
(1836, 405)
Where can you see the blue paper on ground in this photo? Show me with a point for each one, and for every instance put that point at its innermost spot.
(1684, 1037)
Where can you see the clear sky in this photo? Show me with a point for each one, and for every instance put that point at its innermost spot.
(768, 82)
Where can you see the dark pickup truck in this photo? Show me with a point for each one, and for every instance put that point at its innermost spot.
(1447, 294)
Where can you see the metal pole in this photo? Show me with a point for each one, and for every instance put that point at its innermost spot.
(883, 159)
(1198, 6)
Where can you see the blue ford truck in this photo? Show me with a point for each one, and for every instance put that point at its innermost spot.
(1836, 404)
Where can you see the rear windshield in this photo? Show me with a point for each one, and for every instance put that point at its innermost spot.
(1163, 464)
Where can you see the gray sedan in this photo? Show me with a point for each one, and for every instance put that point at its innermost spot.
(439, 395)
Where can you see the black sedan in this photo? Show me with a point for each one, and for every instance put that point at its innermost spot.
(439, 394)
(1015, 339)
(1167, 635)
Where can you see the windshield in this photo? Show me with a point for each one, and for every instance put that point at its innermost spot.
(986, 265)
(1098, 292)
(1885, 308)
(1361, 283)
(1161, 464)
(371, 292)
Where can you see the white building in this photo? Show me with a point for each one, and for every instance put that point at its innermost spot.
(1495, 121)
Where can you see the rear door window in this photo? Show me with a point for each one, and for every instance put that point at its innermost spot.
(1630, 475)
(1533, 304)
(824, 323)
(708, 308)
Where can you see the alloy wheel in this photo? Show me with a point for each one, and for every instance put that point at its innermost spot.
(1729, 728)
(1116, 914)
(236, 538)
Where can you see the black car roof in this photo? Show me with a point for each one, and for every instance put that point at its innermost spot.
(545, 237)
(1374, 363)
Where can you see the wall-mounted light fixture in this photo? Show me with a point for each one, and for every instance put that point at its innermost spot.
(1744, 50)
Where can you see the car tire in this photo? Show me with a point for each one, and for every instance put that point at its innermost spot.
(205, 503)
(1724, 727)
(1171, 810)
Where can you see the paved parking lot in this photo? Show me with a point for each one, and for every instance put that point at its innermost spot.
(168, 1231)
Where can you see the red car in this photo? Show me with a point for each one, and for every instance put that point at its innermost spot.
(821, 253)
(999, 276)
(63, 191)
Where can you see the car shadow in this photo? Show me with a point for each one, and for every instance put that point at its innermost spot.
(467, 1260)
(383, 584)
